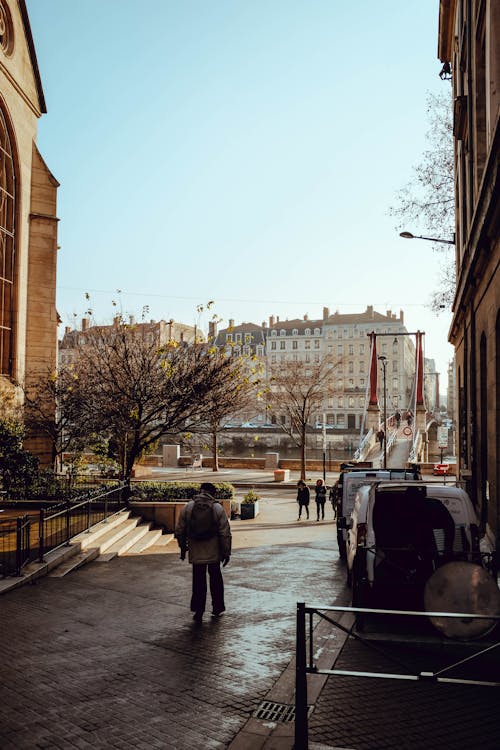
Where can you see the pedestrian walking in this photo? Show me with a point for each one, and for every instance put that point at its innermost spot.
(398, 419)
(380, 437)
(320, 491)
(303, 498)
(334, 497)
(203, 532)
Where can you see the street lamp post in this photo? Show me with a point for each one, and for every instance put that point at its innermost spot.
(383, 360)
(410, 236)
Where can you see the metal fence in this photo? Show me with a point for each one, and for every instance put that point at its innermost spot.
(29, 537)
(305, 655)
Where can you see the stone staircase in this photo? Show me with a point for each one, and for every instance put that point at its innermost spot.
(119, 535)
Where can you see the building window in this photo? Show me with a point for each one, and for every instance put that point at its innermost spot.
(273, 333)
(307, 344)
(317, 332)
(295, 357)
(295, 332)
(294, 345)
(351, 349)
(260, 351)
(308, 357)
(316, 356)
(351, 402)
(340, 420)
(282, 344)
(238, 337)
(361, 366)
(307, 332)
(316, 343)
(340, 402)
(248, 338)
(395, 384)
(394, 366)
(361, 348)
(282, 332)
(351, 366)
(273, 344)
(7, 242)
(273, 359)
(339, 349)
(246, 351)
(229, 337)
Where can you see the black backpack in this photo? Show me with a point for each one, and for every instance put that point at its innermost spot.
(202, 523)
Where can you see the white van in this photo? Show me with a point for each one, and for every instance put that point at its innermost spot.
(350, 481)
(399, 533)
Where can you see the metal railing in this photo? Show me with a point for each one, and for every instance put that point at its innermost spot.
(14, 545)
(305, 653)
(29, 537)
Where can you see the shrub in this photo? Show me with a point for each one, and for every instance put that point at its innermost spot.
(170, 491)
(251, 497)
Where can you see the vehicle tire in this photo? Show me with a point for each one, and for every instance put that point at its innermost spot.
(360, 588)
(342, 547)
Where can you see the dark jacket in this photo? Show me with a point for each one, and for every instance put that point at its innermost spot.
(303, 496)
(320, 494)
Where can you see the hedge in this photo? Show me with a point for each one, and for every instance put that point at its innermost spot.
(170, 491)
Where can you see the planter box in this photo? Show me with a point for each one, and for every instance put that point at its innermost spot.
(249, 510)
(282, 475)
(166, 514)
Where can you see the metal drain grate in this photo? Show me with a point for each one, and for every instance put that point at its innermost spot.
(276, 711)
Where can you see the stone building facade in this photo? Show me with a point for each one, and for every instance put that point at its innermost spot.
(28, 220)
(468, 44)
(345, 340)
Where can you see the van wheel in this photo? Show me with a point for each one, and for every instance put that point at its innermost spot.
(342, 547)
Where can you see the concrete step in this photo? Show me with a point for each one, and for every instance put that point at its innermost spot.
(152, 537)
(105, 541)
(101, 530)
(132, 536)
(75, 562)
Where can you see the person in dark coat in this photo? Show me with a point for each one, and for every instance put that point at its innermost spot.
(320, 491)
(303, 498)
(206, 554)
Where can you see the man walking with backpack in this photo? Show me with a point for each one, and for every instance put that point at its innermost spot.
(203, 531)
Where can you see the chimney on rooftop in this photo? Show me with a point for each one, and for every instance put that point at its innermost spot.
(271, 321)
(212, 329)
(231, 322)
(369, 310)
(326, 313)
(131, 320)
(401, 316)
(306, 317)
(85, 324)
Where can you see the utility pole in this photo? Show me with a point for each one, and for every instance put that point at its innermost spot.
(383, 360)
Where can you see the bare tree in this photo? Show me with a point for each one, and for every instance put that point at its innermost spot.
(52, 408)
(297, 391)
(242, 386)
(427, 202)
(135, 391)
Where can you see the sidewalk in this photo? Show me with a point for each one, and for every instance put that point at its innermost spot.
(109, 657)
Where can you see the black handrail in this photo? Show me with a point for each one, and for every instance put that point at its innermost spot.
(56, 526)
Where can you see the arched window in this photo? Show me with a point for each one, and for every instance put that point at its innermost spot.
(7, 226)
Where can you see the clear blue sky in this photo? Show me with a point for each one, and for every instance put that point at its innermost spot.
(242, 151)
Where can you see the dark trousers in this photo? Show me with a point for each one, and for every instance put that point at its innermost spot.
(199, 597)
(320, 509)
(306, 509)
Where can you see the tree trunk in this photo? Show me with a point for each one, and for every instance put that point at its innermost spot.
(215, 462)
(303, 455)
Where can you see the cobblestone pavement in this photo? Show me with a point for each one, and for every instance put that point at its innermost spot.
(108, 656)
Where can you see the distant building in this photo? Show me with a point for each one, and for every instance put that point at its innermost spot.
(160, 332)
(28, 220)
(345, 339)
(469, 45)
